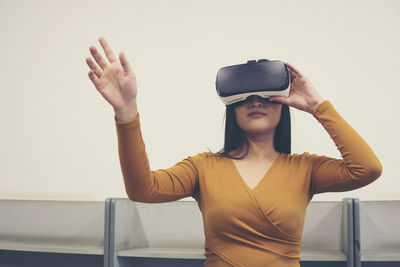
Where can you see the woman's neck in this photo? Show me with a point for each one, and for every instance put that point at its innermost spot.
(257, 151)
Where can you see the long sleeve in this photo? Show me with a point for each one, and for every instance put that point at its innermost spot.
(359, 166)
(143, 184)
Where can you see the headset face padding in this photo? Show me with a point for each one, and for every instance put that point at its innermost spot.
(264, 78)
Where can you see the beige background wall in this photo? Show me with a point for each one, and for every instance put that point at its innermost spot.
(58, 138)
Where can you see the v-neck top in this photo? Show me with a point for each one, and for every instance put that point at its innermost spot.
(244, 227)
(266, 174)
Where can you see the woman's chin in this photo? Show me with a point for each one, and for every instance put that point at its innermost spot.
(259, 131)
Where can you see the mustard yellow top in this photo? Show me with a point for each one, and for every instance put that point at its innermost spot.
(245, 227)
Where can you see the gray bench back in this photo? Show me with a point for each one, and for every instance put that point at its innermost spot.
(52, 226)
(328, 231)
(377, 230)
(121, 229)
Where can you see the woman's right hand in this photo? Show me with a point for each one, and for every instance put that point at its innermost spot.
(115, 81)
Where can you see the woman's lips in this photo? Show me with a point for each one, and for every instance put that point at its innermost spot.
(257, 115)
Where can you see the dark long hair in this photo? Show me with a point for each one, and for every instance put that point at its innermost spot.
(235, 137)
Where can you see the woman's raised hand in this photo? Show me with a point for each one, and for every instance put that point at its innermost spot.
(303, 95)
(115, 81)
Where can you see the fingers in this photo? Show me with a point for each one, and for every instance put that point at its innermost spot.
(107, 49)
(292, 72)
(94, 67)
(93, 78)
(280, 99)
(293, 69)
(99, 59)
(124, 63)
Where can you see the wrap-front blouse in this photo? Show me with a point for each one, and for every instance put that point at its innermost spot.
(262, 226)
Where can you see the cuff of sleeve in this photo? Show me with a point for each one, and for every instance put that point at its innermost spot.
(132, 124)
(322, 108)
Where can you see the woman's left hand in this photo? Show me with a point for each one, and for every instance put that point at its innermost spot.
(302, 95)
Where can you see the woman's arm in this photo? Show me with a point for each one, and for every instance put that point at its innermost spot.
(116, 82)
(144, 185)
(359, 166)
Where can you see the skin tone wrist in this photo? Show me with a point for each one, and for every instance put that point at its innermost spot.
(314, 106)
(126, 114)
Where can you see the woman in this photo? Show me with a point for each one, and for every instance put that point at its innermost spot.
(253, 195)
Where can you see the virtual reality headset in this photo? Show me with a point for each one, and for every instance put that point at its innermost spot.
(264, 78)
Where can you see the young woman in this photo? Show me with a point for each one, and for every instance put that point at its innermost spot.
(253, 194)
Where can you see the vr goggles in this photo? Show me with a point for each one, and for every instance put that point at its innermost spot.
(264, 78)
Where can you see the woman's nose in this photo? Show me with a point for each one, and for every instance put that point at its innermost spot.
(255, 101)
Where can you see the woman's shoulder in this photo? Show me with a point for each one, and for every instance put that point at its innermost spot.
(205, 155)
(206, 158)
(307, 158)
(299, 157)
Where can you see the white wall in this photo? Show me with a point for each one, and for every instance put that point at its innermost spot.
(58, 138)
